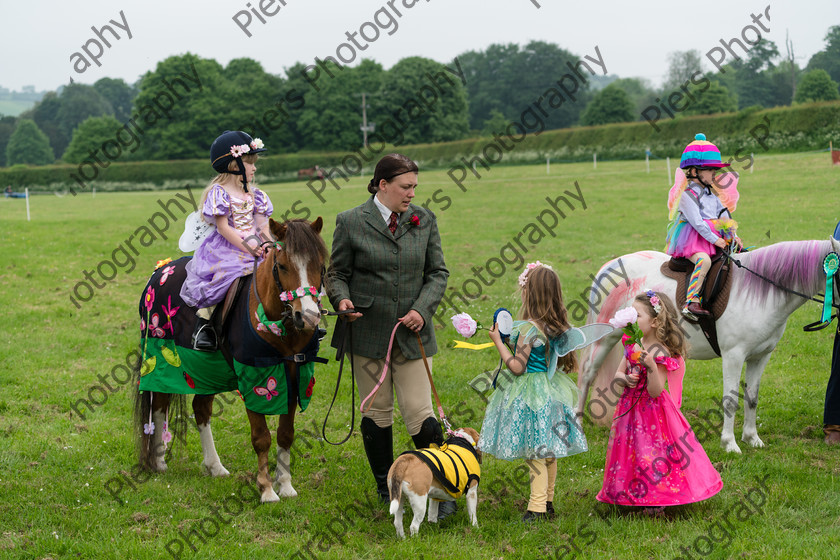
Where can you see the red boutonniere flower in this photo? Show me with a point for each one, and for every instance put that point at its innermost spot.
(415, 221)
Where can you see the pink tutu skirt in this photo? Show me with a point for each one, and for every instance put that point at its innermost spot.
(683, 240)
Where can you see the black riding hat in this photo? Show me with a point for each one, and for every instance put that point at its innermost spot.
(231, 145)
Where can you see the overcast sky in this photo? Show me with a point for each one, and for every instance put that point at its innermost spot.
(39, 38)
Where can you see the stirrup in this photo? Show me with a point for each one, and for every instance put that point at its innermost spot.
(204, 337)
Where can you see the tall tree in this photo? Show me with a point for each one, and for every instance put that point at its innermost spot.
(332, 116)
(816, 85)
(610, 105)
(509, 79)
(89, 137)
(639, 91)
(681, 66)
(716, 99)
(7, 126)
(829, 58)
(28, 144)
(45, 115)
(119, 94)
(183, 128)
(78, 102)
(404, 97)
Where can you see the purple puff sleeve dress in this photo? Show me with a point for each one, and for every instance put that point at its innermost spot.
(216, 262)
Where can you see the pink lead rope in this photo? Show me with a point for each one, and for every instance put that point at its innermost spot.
(372, 394)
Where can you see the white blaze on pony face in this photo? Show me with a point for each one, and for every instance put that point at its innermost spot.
(308, 306)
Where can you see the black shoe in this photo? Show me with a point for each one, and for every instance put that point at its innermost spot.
(549, 509)
(445, 509)
(379, 448)
(430, 432)
(204, 336)
(532, 516)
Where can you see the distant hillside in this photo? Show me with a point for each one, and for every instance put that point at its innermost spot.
(14, 108)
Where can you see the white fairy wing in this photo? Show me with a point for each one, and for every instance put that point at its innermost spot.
(576, 338)
(195, 231)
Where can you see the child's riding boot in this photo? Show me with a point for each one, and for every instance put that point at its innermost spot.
(204, 337)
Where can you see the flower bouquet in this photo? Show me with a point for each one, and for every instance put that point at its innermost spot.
(625, 319)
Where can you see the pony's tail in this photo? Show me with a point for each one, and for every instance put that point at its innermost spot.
(142, 408)
(177, 419)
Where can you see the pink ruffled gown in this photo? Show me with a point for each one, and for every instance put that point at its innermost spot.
(653, 457)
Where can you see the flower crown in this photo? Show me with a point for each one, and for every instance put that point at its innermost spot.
(654, 301)
(243, 149)
(523, 278)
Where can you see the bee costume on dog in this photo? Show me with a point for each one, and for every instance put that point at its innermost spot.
(454, 464)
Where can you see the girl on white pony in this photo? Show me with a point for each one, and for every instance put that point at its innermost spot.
(697, 203)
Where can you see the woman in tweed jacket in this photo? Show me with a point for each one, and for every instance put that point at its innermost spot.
(387, 264)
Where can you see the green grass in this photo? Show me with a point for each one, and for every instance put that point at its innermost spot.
(54, 465)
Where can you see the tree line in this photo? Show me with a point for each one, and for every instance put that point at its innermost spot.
(295, 113)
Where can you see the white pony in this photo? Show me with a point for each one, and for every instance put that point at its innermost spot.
(748, 330)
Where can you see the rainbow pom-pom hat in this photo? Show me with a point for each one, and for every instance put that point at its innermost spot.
(701, 153)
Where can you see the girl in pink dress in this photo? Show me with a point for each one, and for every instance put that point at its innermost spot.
(653, 458)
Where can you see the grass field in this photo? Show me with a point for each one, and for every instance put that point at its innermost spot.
(56, 468)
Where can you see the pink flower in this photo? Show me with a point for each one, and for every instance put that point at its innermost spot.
(300, 292)
(624, 317)
(150, 298)
(464, 324)
(166, 436)
(286, 296)
(275, 329)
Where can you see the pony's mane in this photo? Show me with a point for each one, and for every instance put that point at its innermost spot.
(796, 265)
(301, 240)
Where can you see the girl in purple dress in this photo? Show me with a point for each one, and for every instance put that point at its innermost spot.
(654, 458)
(240, 216)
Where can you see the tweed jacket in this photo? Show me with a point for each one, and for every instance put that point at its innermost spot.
(386, 275)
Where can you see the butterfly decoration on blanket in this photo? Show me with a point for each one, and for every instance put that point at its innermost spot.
(269, 390)
(725, 186)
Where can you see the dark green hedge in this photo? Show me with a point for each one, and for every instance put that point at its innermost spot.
(791, 129)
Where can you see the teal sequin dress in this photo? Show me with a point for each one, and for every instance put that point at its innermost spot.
(532, 416)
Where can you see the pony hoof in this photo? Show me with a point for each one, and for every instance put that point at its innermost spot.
(755, 441)
(216, 470)
(269, 497)
(286, 491)
(731, 447)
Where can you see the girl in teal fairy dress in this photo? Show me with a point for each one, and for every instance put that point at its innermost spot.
(531, 413)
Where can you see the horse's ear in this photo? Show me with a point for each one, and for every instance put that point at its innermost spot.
(277, 229)
(317, 225)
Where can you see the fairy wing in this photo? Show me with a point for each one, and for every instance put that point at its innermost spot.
(574, 339)
(726, 189)
(195, 231)
(680, 181)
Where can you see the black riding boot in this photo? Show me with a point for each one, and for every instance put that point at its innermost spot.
(204, 336)
(431, 432)
(379, 448)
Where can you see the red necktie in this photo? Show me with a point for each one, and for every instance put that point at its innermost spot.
(392, 223)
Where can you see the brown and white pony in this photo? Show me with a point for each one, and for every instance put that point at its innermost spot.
(292, 265)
